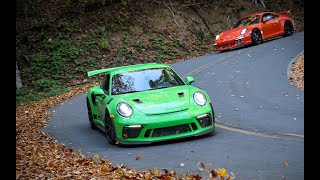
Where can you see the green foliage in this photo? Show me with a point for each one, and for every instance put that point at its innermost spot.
(139, 46)
(161, 58)
(125, 40)
(38, 22)
(161, 48)
(114, 20)
(66, 25)
(41, 88)
(158, 42)
(124, 2)
(203, 40)
(104, 43)
(52, 62)
(46, 84)
(64, 2)
(83, 66)
(175, 43)
(124, 52)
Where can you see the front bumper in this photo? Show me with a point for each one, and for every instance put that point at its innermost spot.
(155, 128)
(224, 44)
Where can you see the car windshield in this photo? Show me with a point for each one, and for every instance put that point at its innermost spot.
(143, 80)
(247, 21)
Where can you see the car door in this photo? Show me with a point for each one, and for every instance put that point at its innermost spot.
(277, 26)
(103, 101)
(267, 25)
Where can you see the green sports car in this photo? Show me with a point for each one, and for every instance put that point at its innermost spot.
(147, 103)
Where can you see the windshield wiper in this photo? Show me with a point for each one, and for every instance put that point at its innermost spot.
(126, 92)
(130, 92)
(161, 87)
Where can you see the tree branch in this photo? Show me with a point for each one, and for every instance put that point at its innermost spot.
(180, 44)
(164, 2)
(261, 1)
(203, 20)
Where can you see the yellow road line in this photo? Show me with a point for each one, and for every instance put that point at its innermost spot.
(201, 68)
(289, 136)
(296, 137)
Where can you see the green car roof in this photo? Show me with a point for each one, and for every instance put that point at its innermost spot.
(117, 70)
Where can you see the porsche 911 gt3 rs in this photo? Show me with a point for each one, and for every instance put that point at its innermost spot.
(147, 103)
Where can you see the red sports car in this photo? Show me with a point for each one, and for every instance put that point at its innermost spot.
(254, 29)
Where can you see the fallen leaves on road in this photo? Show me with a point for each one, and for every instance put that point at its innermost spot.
(38, 156)
(137, 157)
(297, 73)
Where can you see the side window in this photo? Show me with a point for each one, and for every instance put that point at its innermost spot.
(255, 19)
(105, 83)
(274, 16)
(268, 16)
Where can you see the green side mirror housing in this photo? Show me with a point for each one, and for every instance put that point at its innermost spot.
(99, 92)
(189, 80)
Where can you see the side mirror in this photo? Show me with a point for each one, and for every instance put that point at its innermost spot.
(189, 80)
(99, 92)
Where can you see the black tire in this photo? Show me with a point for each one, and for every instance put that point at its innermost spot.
(109, 130)
(288, 28)
(92, 125)
(256, 36)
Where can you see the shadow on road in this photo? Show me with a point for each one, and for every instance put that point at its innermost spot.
(173, 141)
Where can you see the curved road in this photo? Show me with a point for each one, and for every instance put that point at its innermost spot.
(260, 118)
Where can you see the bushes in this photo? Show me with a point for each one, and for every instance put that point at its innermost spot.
(41, 88)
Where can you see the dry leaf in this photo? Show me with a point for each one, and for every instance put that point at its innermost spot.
(202, 165)
(286, 163)
(156, 171)
(213, 173)
(73, 153)
(137, 157)
(165, 171)
(104, 168)
(223, 172)
(181, 164)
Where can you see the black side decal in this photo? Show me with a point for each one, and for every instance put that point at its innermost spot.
(109, 100)
(93, 98)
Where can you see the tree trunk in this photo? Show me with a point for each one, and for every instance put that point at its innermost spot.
(18, 78)
(261, 1)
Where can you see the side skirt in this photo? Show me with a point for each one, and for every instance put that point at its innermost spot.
(100, 127)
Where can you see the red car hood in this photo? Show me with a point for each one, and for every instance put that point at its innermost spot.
(232, 33)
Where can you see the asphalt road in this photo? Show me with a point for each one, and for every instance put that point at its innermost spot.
(260, 118)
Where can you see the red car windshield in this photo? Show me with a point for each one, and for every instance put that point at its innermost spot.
(247, 21)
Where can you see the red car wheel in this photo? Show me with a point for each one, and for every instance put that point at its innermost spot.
(256, 36)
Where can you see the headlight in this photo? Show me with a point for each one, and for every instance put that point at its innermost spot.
(124, 109)
(199, 98)
(217, 37)
(244, 31)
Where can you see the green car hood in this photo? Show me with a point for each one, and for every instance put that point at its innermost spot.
(159, 101)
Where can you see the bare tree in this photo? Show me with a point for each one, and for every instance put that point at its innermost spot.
(18, 78)
(261, 1)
